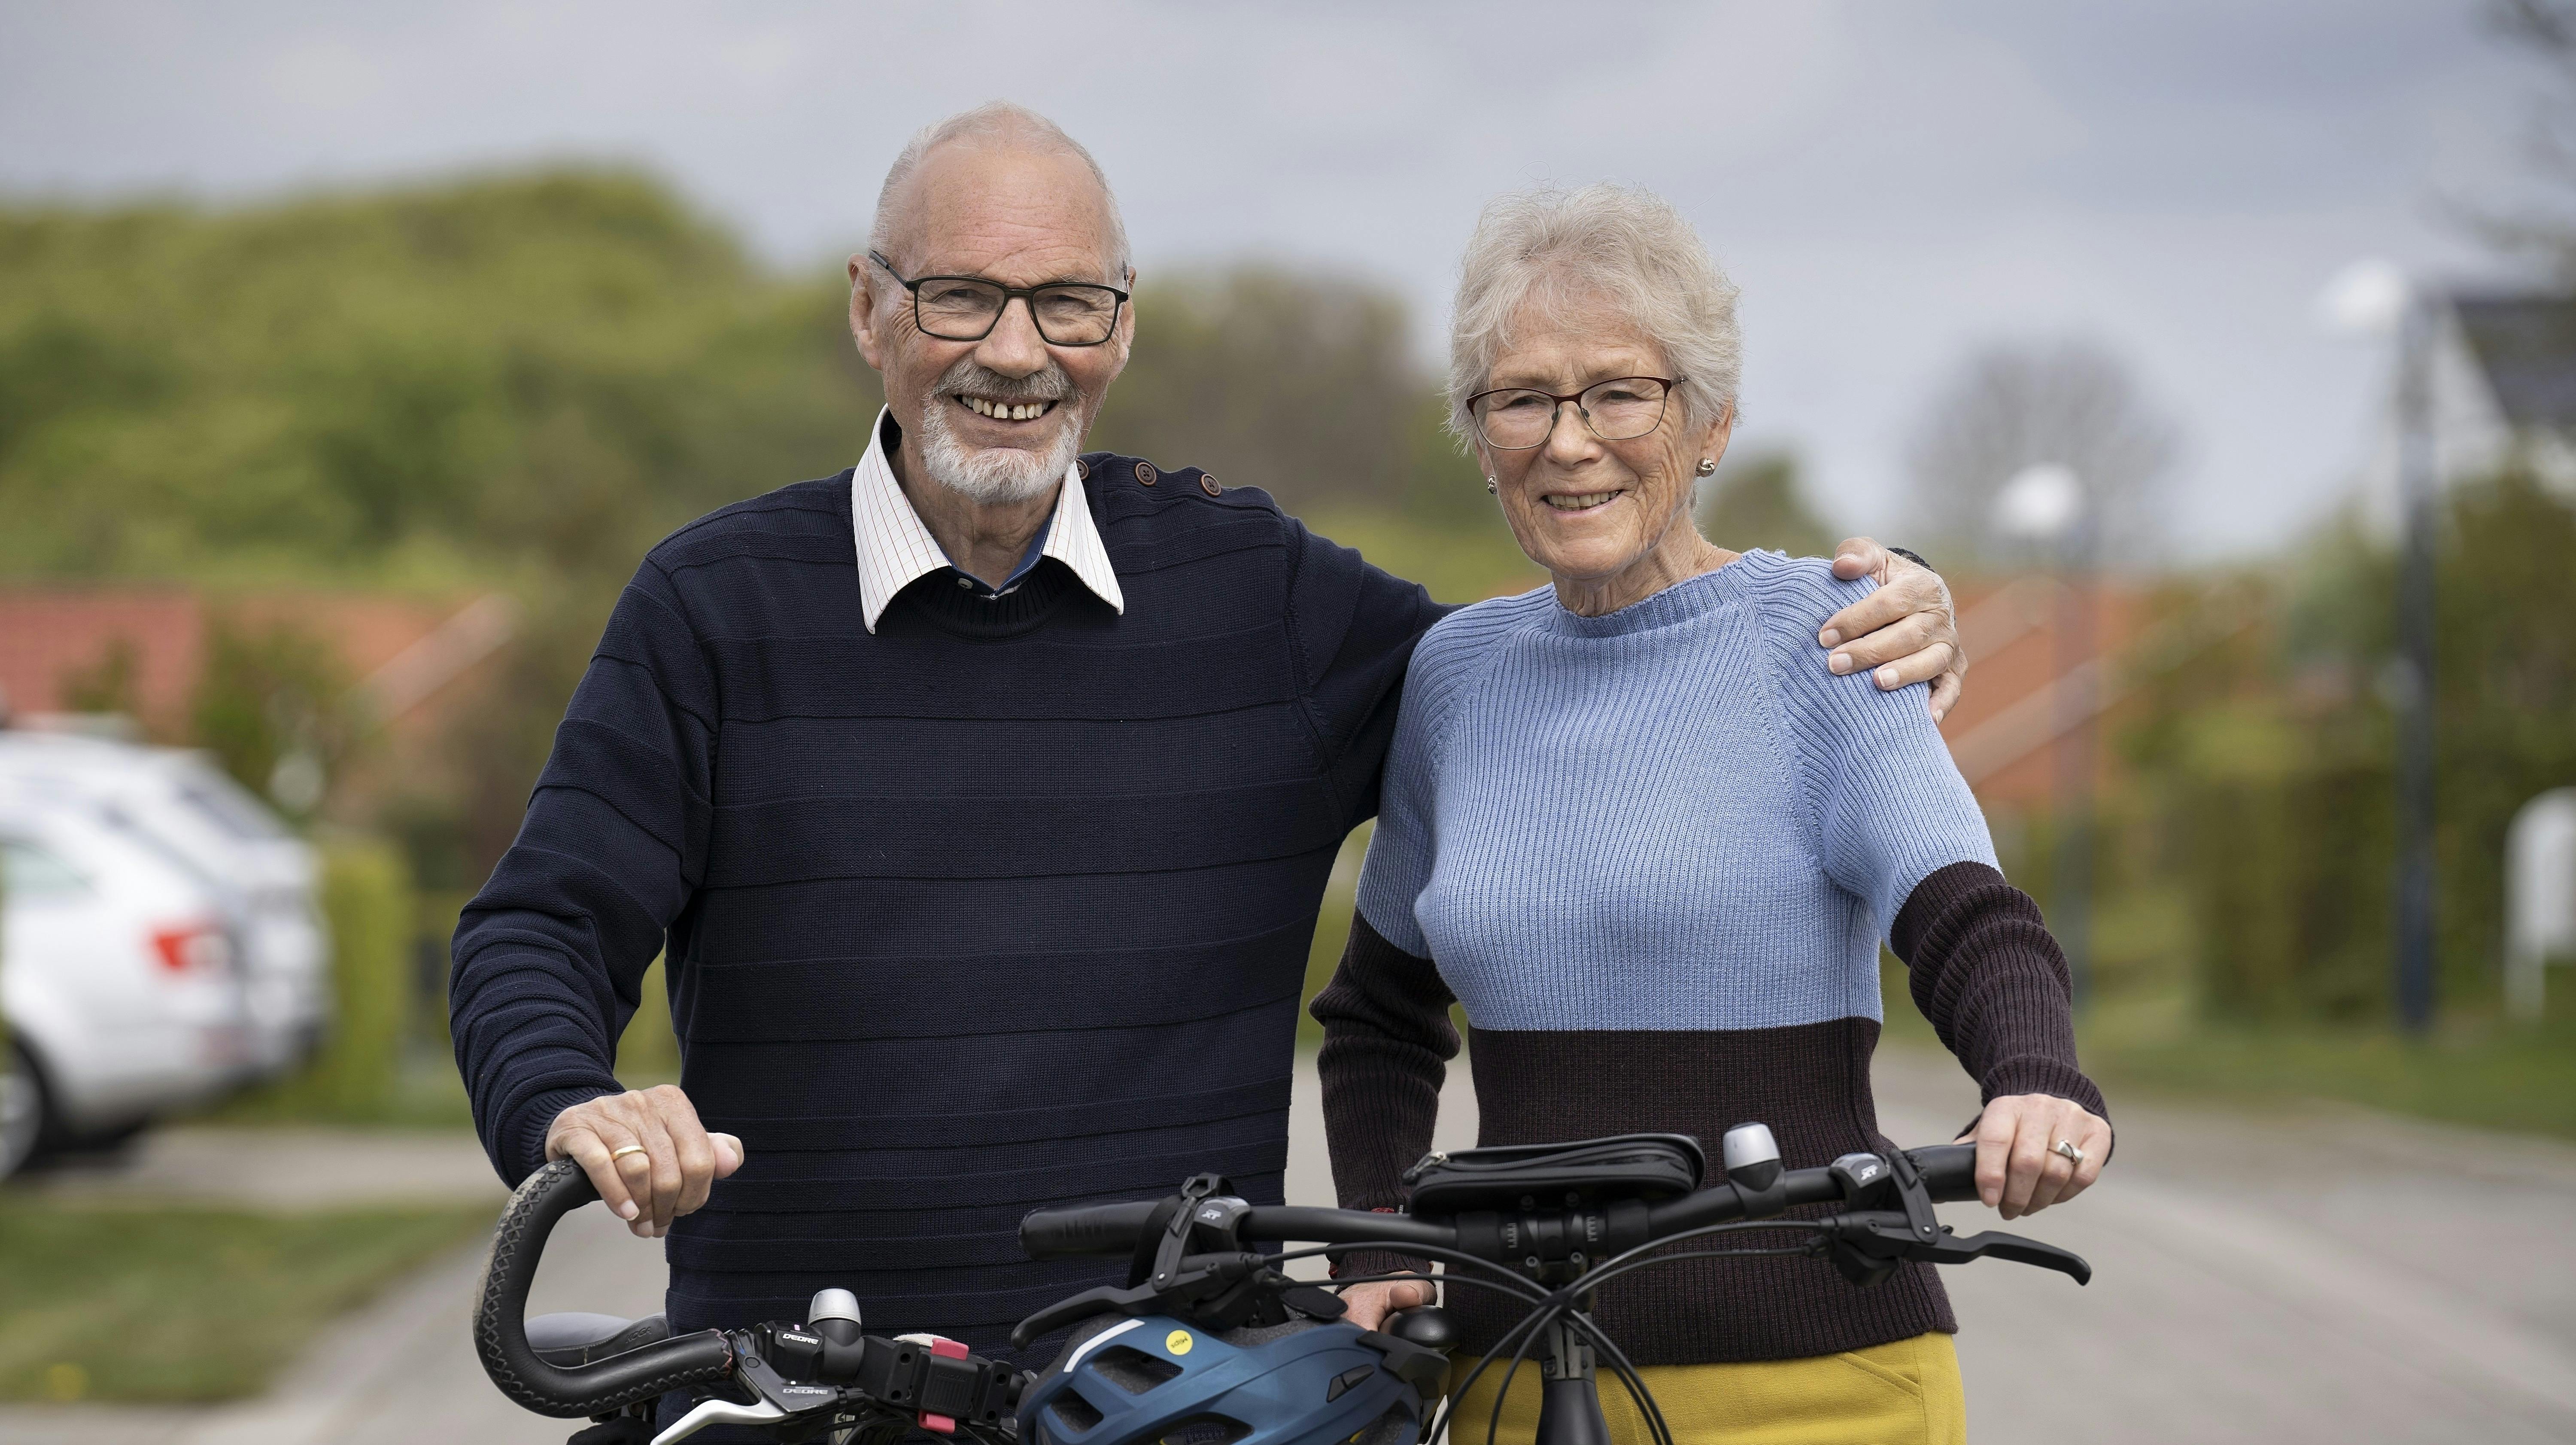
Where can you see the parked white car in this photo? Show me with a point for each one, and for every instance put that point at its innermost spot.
(117, 972)
(264, 877)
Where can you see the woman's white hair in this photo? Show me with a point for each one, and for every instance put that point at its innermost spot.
(995, 121)
(1549, 248)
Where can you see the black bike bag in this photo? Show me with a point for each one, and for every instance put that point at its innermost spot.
(1509, 1177)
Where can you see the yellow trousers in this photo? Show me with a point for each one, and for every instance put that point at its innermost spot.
(1906, 1392)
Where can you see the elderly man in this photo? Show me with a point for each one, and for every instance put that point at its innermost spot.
(981, 798)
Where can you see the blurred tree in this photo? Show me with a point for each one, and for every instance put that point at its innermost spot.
(2506, 693)
(109, 684)
(2067, 403)
(267, 707)
(1295, 383)
(2267, 755)
(461, 380)
(2542, 225)
(1757, 502)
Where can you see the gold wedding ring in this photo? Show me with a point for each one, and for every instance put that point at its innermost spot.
(2066, 1150)
(616, 1154)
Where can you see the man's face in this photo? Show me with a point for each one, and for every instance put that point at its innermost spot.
(998, 419)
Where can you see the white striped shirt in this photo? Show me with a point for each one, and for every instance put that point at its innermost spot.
(896, 548)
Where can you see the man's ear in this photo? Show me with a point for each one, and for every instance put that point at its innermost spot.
(863, 313)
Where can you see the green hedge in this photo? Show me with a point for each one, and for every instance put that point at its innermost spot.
(372, 914)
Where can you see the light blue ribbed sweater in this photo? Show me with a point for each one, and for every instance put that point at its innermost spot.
(1669, 817)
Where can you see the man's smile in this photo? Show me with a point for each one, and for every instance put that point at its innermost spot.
(1004, 409)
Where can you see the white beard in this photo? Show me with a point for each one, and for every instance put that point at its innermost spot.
(995, 474)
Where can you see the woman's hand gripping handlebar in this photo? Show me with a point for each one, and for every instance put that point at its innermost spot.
(796, 1379)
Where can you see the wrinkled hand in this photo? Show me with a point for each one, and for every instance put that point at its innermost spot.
(2016, 1170)
(680, 1162)
(1370, 1304)
(1906, 631)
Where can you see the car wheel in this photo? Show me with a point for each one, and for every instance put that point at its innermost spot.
(22, 1110)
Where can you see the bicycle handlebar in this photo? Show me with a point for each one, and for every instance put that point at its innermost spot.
(1948, 1172)
(500, 1323)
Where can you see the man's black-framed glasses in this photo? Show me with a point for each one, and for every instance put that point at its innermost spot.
(967, 308)
(1516, 418)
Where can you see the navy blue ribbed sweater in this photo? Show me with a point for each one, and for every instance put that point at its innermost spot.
(1005, 904)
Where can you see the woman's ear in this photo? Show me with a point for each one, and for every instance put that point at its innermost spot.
(1720, 432)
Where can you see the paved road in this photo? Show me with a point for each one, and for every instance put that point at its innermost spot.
(275, 1169)
(2312, 1274)
(2315, 1274)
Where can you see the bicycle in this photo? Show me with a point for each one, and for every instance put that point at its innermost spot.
(1547, 1224)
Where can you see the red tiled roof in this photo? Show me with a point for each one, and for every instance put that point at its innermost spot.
(50, 636)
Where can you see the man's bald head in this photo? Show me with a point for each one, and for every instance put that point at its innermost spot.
(999, 125)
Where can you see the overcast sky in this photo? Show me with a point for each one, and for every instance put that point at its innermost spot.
(1892, 184)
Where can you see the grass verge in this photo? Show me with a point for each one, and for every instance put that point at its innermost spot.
(187, 1305)
(2515, 1084)
(2474, 1071)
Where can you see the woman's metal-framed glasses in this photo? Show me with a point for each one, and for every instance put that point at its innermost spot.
(967, 308)
(1516, 418)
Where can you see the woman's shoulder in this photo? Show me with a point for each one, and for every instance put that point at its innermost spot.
(1796, 594)
(1790, 598)
(1458, 646)
(1479, 627)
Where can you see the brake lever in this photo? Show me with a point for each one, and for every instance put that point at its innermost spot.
(1957, 1249)
(774, 1398)
(1868, 1244)
(1194, 1277)
(1107, 1299)
(720, 1412)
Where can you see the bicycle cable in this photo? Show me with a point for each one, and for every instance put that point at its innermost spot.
(1560, 1302)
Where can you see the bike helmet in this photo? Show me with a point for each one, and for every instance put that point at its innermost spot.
(1158, 1381)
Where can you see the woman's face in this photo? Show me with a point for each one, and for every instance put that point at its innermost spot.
(1586, 509)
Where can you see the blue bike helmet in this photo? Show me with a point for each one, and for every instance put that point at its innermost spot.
(1158, 1381)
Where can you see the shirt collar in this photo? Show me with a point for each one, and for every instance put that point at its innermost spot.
(895, 548)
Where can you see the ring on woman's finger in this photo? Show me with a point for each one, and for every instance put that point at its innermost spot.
(616, 1154)
(2066, 1150)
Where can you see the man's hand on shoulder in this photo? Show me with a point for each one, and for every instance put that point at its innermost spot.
(1905, 632)
(647, 1154)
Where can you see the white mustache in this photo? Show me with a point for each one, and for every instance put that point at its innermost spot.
(970, 377)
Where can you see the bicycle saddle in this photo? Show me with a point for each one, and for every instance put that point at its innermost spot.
(566, 1341)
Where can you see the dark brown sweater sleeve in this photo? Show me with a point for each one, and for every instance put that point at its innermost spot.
(1985, 971)
(1387, 1046)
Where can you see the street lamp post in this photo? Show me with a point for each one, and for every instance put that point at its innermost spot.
(2374, 298)
(2415, 916)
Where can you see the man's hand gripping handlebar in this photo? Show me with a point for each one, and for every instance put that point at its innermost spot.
(818, 1374)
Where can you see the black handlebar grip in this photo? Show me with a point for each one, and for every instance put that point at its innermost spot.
(1949, 1171)
(1110, 1229)
(501, 1327)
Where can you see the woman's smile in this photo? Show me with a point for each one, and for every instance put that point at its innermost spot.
(1581, 504)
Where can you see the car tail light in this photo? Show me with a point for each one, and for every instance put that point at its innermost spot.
(193, 948)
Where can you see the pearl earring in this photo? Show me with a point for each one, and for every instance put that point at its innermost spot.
(1707, 468)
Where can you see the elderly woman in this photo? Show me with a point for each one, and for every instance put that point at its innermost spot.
(1651, 843)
